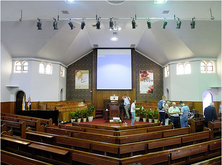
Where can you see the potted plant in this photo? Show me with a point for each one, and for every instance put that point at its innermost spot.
(90, 110)
(150, 116)
(73, 116)
(144, 115)
(156, 116)
(79, 115)
(138, 113)
(84, 115)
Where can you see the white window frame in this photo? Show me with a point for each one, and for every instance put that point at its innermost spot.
(186, 71)
(50, 69)
(182, 72)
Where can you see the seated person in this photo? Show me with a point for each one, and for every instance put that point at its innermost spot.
(174, 115)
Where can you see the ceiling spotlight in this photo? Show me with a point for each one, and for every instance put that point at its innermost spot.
(55, 24)
(164, 23)
(133, 23)
(192, 23)
(111, 24)
(178, 23)
(39, 24)
(114, 38)
(71, 24)
(83, 24)
(148, 24)
(98, 24)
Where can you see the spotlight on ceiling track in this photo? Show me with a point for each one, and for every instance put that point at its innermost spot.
(133, 24)
(71, 24)
(111, 24)
(55, 24)
(148, 24)
(39, 24)
(192, 23)
(164, 23)
(178, 23)
(98, 24)
(83, 24)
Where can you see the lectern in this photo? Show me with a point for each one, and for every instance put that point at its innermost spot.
(113, 110)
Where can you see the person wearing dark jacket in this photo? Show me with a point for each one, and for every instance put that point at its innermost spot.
(210, 114)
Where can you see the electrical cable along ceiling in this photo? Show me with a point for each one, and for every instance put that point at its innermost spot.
(64, 32)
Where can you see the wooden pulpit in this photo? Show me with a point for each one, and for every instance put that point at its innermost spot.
(114, 110)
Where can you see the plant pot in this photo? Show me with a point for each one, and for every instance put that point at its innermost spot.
(90, 118)
(84, 119)
(155, 120)
(150, 120)
(79, 120)
(137, 118)
(144, 119)
(73, 120)
(167, 121)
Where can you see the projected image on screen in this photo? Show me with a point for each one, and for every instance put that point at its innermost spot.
(114, 69)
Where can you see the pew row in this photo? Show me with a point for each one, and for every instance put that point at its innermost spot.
(118, 139)
(46, 122)
(115, 128)
(119, 150)
(212, 161)
(17, 128)
(117, 133)
(215, 129)
(15, 159)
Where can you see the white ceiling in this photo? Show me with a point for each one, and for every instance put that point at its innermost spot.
(22, 38)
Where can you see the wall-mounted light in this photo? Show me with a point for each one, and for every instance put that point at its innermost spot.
(98, 24)
(55, 24)
(160, 1)
(71, 24)
(111, 24)
(39, 24)
(83, 24)
(148, 24)
(192, 23)
(178, 23)
(133, 24)
(164, 23)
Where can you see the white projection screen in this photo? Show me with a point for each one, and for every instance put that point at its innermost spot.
(114, 69)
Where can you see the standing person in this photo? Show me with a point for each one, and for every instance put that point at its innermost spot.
(161, 107)
(174, 115)
(126, 105)
(133, 108)
(184, 114)
(210, 114)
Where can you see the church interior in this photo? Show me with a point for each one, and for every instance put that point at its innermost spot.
(99, 82)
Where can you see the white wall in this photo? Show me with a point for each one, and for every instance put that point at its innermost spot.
(219, 72)
(6, 70)
(190, 87)
(40, 87)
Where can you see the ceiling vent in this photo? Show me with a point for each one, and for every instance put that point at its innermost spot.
(165, 11)
(65, 12)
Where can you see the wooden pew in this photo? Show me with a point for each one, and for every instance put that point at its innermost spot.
(195, 137)
(174, 132)
(15, 159)
(4, 127)
(117, 133)
(197, 125)
(16, 127)
(215, 128)
(46, 122)
(212, 161)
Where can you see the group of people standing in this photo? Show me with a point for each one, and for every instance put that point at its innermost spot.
(176, 114)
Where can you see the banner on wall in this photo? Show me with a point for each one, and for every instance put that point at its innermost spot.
(82, 79)
(146, 81)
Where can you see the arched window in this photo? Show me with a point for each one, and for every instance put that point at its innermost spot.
(180, 69)
(48, 69)
(24, 66)
(210, 67)
(41, 68)
(62, 71)
(167, 71)
(187, 68)
(18, 67)
(203, 67)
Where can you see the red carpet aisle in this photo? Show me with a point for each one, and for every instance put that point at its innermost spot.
(101, 121)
